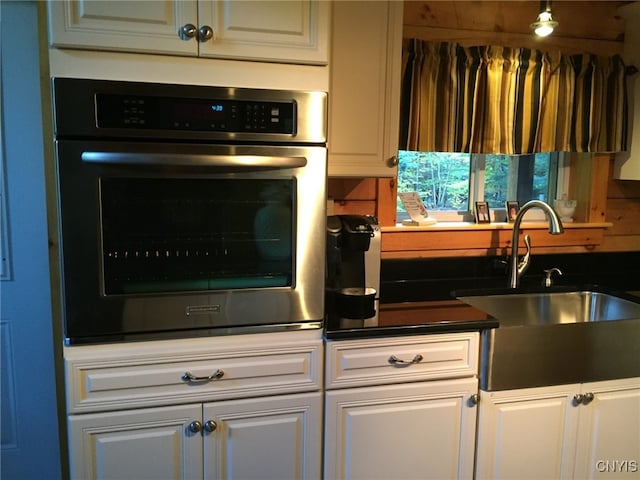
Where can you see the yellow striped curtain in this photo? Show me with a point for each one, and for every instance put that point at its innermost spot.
(493, 99)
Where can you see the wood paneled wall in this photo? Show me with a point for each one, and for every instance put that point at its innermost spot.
(584, 26)
(623, 210)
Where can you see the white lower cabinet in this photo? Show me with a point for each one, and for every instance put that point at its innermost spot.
(406, 431)
(608, 444)
(265, 438)
(151, 443)
(409, 412)
(242, 407)
(280, 435)
(579, 431)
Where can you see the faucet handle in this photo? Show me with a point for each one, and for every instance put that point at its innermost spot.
(524, 263)
(548, 280)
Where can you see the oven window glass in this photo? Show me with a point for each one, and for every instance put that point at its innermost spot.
(186, 234)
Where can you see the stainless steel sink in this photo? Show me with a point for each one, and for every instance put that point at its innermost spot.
(554, 307)
(552, 338)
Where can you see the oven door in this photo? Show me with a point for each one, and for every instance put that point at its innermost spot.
(169, 240)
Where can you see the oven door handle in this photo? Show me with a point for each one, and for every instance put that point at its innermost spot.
(194, 160)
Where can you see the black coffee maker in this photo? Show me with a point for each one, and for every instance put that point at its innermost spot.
(353, 271)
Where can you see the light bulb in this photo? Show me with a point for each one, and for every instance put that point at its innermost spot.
(544, 30)
(544, 25)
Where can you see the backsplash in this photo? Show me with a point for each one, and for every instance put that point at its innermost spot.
(424, 279)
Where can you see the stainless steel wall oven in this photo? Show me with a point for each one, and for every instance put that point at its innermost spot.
(188, 210)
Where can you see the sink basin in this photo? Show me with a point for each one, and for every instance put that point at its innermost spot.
(554, 307)
(557, 337)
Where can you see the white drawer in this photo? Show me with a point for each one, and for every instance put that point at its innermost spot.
(111, 377)
(353, 363)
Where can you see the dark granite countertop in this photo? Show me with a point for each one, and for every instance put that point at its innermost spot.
(417, 296)
(417, 318)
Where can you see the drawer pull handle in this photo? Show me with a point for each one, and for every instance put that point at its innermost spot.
(393, 360)
(190, 377)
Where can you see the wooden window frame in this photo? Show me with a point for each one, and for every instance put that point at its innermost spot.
(588, 184)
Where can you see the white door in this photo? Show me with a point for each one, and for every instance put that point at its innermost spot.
(28, 412)
(609, 430)
(280, 31)
(527, 433)
(270, 438)
(151, 443)
(137, 26)
(405, 431)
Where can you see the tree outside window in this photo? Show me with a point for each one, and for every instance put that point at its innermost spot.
(450, 183)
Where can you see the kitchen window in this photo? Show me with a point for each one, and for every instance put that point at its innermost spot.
(450, 183)
(526, 104)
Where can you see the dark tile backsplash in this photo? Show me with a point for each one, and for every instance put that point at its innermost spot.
(424, 279)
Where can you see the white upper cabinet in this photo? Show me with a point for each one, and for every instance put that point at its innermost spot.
(279, 31)
(139, 26)
(627, 165)
(364, 98)
(273, 31)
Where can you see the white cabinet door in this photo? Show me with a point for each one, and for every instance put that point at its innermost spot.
(364, 99)
(609, 430)
(135, 26)
(279, 31)
(627, 165)
(265, 438)
(141, 444)
(544, 433)
(403, 431)
(527, 433)
(272, 31)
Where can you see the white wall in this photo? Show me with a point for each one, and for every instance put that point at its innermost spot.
(29, 440)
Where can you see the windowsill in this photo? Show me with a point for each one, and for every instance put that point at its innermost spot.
(448, 239)
(470, 226)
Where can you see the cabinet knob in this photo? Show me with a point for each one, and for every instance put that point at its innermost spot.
(187, 31)
(392, 161)
(210, 426)
(588, 398)
(195, 426)
(578, 398)
(205, 33)
(474, 399)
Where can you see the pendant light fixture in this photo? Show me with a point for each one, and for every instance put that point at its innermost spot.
(544, 24)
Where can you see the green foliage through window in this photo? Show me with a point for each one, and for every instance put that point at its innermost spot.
(441, 180)
(445, 181)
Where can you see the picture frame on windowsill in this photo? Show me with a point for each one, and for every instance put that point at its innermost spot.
(512, 210)
(482, 212)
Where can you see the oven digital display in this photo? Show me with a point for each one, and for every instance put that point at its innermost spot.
(194, 114)
(186, 112)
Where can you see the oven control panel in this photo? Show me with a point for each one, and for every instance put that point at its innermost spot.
(194, 114)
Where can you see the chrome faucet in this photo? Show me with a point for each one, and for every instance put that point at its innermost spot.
(516, 267)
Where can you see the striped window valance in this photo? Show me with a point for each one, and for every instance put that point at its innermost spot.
(492, 99)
